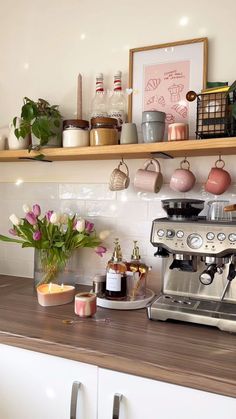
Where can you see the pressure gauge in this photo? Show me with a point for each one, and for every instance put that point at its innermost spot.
(194, 241)
(210, 236)
(180, 234)
(221, 237)
(232, 237)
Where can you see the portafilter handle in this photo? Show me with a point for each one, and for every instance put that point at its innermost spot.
(207, 276)
(161, 252)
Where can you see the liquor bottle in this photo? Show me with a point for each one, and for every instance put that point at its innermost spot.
(117, 102)
(136, 275)
(99, 102)
(116, 275)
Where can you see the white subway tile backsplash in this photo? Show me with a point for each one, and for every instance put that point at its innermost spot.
(93, 191)
(126, 214)
(102, 208)
(29, 192)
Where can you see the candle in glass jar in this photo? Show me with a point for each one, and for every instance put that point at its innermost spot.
(54, 294)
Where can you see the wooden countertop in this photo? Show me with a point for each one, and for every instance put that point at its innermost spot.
(189, 355)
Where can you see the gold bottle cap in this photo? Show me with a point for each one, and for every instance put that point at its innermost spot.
(117, 254)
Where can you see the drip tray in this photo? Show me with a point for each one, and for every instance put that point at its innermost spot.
(212, 313)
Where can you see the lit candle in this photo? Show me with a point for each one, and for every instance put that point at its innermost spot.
(55, 295)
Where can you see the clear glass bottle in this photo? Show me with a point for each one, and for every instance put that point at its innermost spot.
(99, 102)
(116, 275)
(117, 102)
(136, 275)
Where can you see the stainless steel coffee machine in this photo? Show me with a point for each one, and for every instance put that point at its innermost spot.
(199, 266)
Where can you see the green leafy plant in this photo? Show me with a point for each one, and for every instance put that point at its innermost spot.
(40, 119)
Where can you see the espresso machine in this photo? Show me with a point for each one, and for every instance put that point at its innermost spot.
(198, 269)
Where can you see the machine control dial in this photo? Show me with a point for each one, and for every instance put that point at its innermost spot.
(232, 237)
(221, 237)
(170, 234)
(180, 234)
(210, 236)
(160, 233)
(194, 241)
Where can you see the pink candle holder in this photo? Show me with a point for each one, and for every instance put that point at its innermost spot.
(54, 294)
(85, 304)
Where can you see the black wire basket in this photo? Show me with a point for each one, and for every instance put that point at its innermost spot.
(214, 115)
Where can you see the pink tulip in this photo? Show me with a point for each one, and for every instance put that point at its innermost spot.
(37, 235)
(100, 250)
(30, 217)
(89, 227)
(13, 231)
(36, 210)
(48, 215)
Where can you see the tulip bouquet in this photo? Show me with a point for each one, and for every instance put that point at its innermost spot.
(54, 235)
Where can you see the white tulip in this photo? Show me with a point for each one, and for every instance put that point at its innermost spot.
(26, 208)
(55, 218)
(15, 220)
(104, 234)
(80, 225)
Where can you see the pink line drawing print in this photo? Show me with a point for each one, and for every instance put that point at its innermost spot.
(162, 101)
(175, 91)
(151, 100)
(181, 110)
(152, 84)
(170, 119)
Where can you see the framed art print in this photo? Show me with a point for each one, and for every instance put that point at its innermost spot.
(161, 75)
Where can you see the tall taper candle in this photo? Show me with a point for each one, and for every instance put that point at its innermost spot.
(79, 97)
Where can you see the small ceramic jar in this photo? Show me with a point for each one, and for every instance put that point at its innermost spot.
(85, 304)
(75, 133)
(103, 131)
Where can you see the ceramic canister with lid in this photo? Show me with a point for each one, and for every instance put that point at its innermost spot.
(153, 126)
(103, 131)
(75, 133)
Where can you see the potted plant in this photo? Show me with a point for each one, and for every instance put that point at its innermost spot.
(41, 121)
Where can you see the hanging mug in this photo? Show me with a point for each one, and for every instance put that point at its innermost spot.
(149, 180)
(182, 179)
(119, 180)
(219, 179)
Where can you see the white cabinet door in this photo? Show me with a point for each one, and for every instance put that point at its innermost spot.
(149, 399)
(38, 386)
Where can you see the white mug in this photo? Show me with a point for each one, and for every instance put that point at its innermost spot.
(129, 134)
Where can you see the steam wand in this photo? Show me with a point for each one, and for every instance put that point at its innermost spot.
(231, 276)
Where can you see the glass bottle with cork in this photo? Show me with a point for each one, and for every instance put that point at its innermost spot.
(136, 275)
(116, 275)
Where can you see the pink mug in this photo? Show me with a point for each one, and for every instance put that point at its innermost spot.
(182, 179)
(218, 180)
(149, 180)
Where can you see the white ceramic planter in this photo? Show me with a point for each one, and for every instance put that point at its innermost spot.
(14, 143)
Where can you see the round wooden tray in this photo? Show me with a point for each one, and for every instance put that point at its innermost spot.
(125, 304)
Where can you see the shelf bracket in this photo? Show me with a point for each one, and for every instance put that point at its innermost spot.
(161, 155)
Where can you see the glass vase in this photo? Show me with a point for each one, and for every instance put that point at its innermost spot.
(48, 269)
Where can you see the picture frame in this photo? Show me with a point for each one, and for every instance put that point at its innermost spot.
(161, 75)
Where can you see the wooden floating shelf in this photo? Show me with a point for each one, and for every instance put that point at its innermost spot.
(190, 148)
